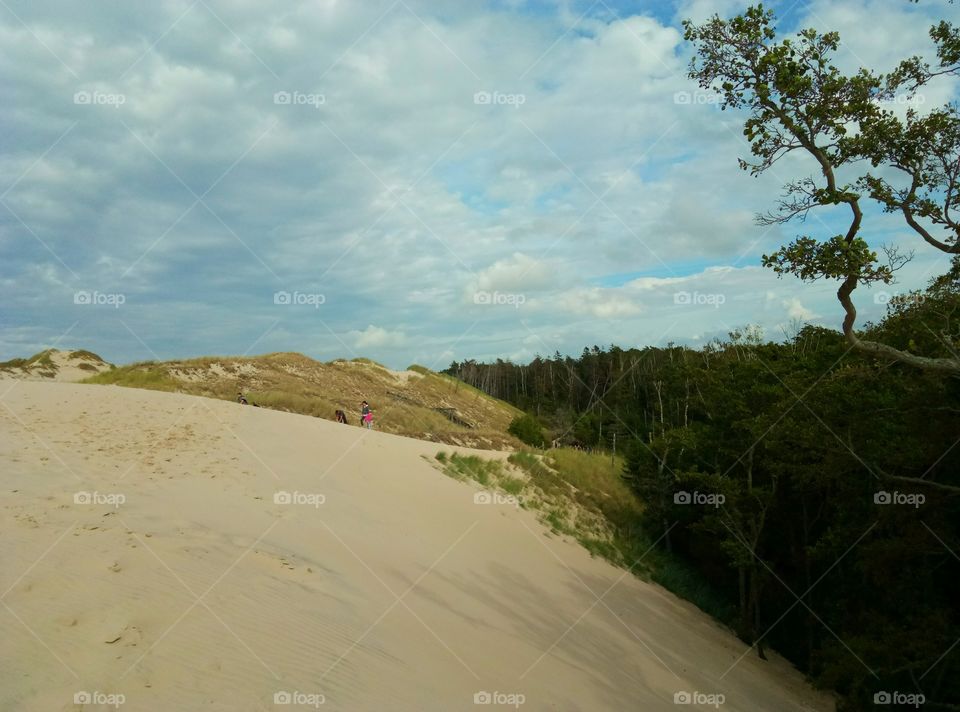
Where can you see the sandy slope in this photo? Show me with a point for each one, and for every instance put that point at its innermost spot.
(199, 592)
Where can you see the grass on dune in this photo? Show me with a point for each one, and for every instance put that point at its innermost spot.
(41, 360)
(84, 355)
(471, 467)
(427, 406)
(146, 374)
(582, 495)
(292, 402)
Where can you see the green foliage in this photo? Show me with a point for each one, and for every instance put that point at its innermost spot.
(526, 429)
(139, 375)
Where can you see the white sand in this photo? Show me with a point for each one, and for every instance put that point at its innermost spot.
(398, 593)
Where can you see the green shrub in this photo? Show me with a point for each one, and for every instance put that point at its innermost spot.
(526, 428)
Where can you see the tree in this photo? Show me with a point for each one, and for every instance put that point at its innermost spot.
(798, 101)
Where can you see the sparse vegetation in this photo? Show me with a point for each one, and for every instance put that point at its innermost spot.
(429, 407)
(583, 496)
(147, 374)
(472, 467)
(83, 355)
(12, 364)
(47, 364)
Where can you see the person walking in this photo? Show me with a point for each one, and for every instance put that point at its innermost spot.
(366, 415)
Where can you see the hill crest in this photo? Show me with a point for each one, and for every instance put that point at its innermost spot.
(415, 402)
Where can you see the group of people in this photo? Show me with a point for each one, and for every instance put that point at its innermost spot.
(366, 415)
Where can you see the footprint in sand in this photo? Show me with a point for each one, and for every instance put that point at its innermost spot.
(130, 637)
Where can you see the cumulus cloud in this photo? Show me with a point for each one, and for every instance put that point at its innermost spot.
(599, 303)
(796, 310)
(376, 337)
(517, 273)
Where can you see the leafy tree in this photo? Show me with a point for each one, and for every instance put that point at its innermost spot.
(798, 101)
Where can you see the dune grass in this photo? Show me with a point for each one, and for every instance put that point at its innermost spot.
(292, 402)
(40, 360)
(146, 374)
(471, 467)
(367, 361)
(428, 408)
(446, 382)
(84, 355)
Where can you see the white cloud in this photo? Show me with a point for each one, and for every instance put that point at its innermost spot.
(796, 310)
(376, 337)
(599, 303)
(518, 273)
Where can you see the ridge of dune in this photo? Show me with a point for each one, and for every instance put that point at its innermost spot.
(54, 365)
(190, 553)
(416, 402)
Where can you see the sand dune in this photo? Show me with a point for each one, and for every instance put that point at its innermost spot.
(54, 365)
(200, 592)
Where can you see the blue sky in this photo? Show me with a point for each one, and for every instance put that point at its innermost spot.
(408, 181)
